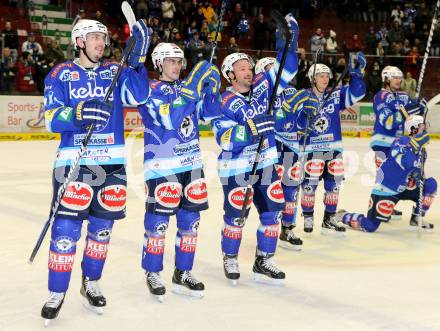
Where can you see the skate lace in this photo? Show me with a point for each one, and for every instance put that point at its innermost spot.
(187, 277)
(92, 288)
(308, 222)
(54, 299)
(231, 265)
(290, 235)
(155, 280)
(269, 265)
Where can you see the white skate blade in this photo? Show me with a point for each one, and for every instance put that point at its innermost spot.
(47, 322)
(330, 232)
(289, 246)
(159, 298)
(96, 310)
(263, 279)
(233, 282)
(396, 217)
(413, 228)
(180, 289)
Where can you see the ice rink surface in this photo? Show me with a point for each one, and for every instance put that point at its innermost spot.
(389, 280)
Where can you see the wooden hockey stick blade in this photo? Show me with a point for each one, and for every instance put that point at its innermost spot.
(281, 24)
(129, 14)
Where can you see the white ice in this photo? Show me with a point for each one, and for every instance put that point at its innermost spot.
(389, 280)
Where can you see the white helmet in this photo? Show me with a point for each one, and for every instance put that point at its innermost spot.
(262, 63)
(320, 68)
(231, 59)
(165, 50)
(413, 121)
(83, 27)
(391, 72)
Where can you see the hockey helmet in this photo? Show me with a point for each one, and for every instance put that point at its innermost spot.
(166, 50)
(262, 63)
(231, 59)
(83, 27)
(320, 68)
(391, 72)
(413, 122)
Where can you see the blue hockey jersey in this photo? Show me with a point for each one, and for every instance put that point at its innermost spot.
(171, 137)
(324, 132)
(239, 148)
(393, 174)
(389, 122)
(69, 83)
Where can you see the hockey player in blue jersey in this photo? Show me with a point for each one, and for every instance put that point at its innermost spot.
(391, 106)
(244, 122)
(73, 96)
(286, 136)
(321, 140)
(396, 180)
(174, 178)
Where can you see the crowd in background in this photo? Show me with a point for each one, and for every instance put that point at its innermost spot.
(397, 36)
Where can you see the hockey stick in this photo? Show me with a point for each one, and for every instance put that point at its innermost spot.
(344, 73)
(419, 87)
(85, 142)
(284, 31)
(217, 30)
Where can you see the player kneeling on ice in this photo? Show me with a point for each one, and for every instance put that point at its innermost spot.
(173, 168)
(73, 98)
(286, 136)
(391, 106)
(321, 140)
(396, 180)
(244, 122)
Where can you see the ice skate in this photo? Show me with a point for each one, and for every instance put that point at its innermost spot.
(155, 285)
(231, 269)
(265, 271)
(185, 283)
(330, 225)
(308, 224)
(92, 296)
(396, 215)
(288, 239)
(414, 225)
(52, 307)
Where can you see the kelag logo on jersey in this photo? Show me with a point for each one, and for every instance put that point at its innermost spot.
(89, 91)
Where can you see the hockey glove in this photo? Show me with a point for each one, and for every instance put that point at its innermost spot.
(92, 111)
(260, 125)
(214, 82)
(419, 141)
(294, 29)
(142, 34)
(357, 65)
(192, 86)
(417, 107)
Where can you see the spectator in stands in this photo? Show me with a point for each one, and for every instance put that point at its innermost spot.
(7, 71)
(115, 43)
(339, 70)
(199, 18)
(397, 57)
(412, 61)
(317, 42)
(10, 39)
(155, 8)
(178, 40)
(142, 9)
(213, 28)
(54, 51)
(409, 85)
(25, 73)
(406, 47)
(208, 11)
(32, 47)
(355, 44)
(204, 32)
(382, 37)
(80, 16)
(168, 10)
(380, 54)
(42, 68)
(411, 34)
(168, 31)
(156, 26)
(179, 14)
(234, 18)
(261, 30)
(302, 80)
(195, 48)
(232, 46)
(99, 17)
(331, 46)
(208, 50)
(370, 41)
(396, 33)
(374, 80)
(397, 15)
